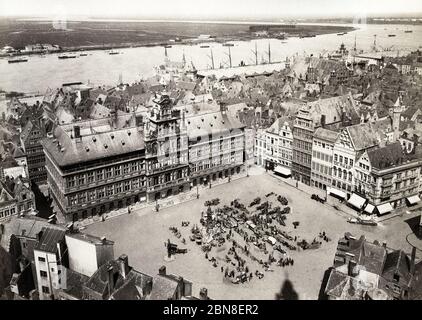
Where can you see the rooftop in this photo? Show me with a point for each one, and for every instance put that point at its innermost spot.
(49, 239)
(326, 135)
(90, 238)
(363, 136)
(211, 123)
(98, 139)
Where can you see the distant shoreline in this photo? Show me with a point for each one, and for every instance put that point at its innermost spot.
(85, 36)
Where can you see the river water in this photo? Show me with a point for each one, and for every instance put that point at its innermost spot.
(40, 73)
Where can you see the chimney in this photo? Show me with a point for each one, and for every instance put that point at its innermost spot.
(322, 120)
(203, 294)
(162, 271)
(351, 265)
(384, 245)
(77, 132)
(1, 229)
(412, 261)
(103, 240)
(39, 235)
(110, 274)
(123, 265)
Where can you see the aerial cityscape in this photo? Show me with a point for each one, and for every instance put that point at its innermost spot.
(180, 153)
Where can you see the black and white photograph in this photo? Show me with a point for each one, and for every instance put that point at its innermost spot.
(225, 150)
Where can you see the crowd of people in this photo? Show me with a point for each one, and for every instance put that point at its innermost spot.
(251, 246)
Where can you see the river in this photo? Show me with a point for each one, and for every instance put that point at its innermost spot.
(40, 73)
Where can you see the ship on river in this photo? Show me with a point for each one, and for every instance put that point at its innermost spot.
(17, 60)
(67, 56)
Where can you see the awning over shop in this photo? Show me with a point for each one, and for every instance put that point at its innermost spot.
(384, 208)
(413, 199)
(336, 192)
(356, 201)
(282, 170)
(369, 208)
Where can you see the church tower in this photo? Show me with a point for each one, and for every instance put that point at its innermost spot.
(397, 109)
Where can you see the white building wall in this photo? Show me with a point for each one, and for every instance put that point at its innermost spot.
(49, 281)
(82, 256)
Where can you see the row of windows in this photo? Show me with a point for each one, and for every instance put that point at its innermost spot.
(320, 177)
(322, 156)
(167, 177)
(302, 158)
(323, 145)
(101, 174)
(304, 145)
(343, 160)
(302, 133)
(7, 212)
(107, 191)
(342, 174)
(363, 166)
(260, 143)
(342, 185)
(321, 168)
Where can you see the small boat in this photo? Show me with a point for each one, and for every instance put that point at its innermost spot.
(391, 35)
(408, 31)
(17, 60)
(83, 54)
(205, 46)
(228, 45)
(341, 33)
(67, 57)
(111, 52)
(306, 36)
(167, 47)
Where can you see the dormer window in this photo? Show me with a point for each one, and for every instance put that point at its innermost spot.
(105, 146)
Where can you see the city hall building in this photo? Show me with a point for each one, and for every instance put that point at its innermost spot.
(96, 166)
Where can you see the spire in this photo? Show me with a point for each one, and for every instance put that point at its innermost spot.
(398, 102)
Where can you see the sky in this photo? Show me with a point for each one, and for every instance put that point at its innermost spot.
(208, 9)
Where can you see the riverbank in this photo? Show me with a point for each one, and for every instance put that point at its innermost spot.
(108, 35)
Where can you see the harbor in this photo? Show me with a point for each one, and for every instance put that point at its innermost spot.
(48, 71)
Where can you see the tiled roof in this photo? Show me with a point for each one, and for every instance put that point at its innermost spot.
(388, 156)
(325, 134)
(410, 111)
(49, 239)
(164, 288)
(344, 287)
(333, 109)
(211, 123)
(363, 136)
(93, 145)
(123, 287)
(74, 283)
(397, 262)
(22, 226)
